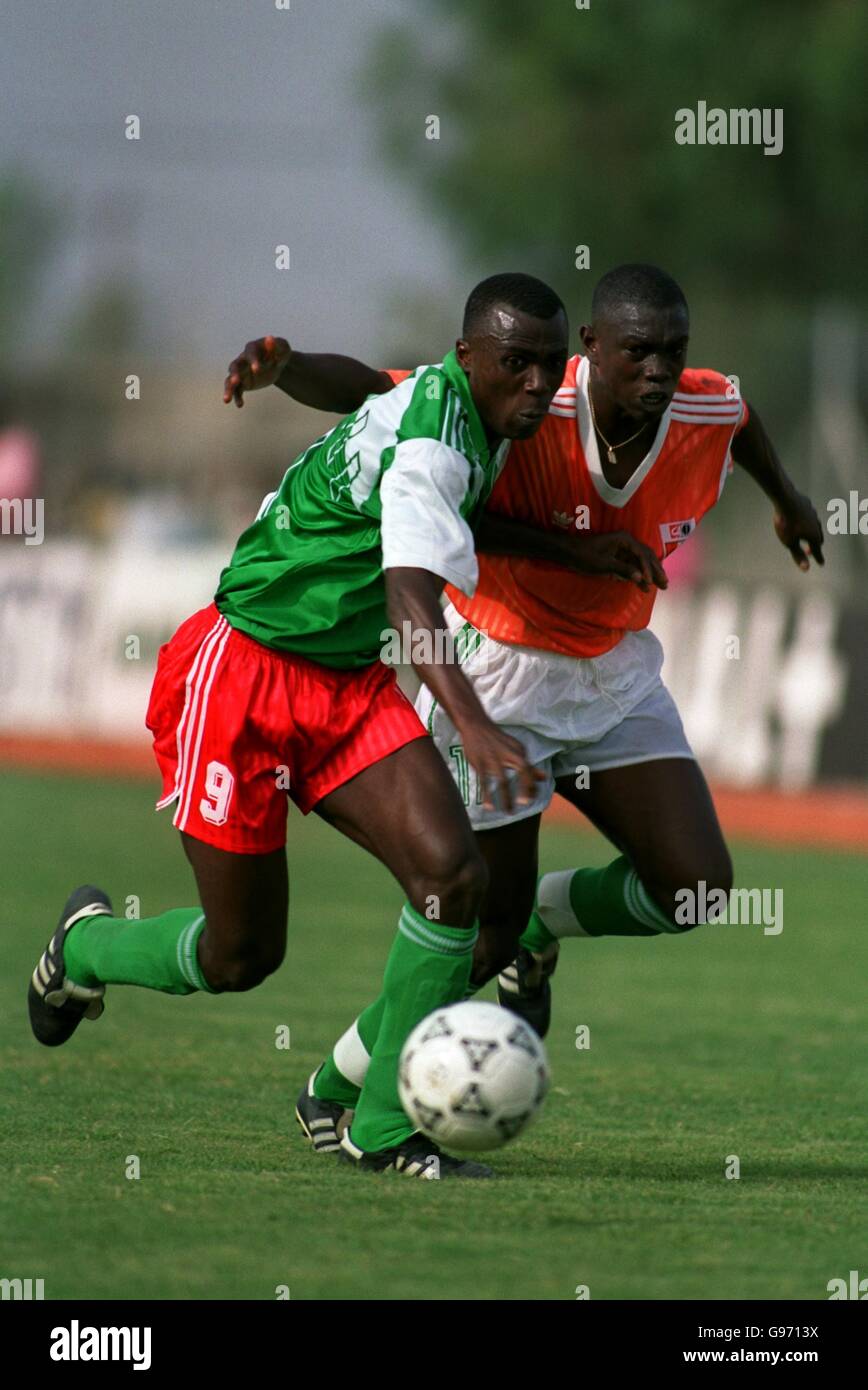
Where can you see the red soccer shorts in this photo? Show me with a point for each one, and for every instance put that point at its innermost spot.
(237, 726)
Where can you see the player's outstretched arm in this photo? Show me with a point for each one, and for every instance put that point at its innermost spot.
(412, 597)
(796, 522)
(615, 553)
(322, 380)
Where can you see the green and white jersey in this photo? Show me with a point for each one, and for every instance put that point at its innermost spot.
(399, 482)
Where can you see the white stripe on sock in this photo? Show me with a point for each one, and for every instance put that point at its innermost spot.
(643, 907)
(655, 914)
(554, 906)
(187, 943)
(351, 1057)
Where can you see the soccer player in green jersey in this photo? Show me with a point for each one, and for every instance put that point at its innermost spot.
(609, 712)
(278, 687)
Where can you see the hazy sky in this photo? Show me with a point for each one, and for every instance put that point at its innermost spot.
(254, 132)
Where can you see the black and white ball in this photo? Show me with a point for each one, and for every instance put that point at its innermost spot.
(472, 1076)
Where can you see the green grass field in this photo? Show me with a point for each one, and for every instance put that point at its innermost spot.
(725, 1042)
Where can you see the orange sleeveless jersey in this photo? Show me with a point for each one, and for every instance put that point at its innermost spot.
(548, 479)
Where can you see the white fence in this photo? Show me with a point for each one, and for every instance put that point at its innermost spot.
(764, 683)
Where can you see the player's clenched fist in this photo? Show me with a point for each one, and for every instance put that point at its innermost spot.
(260, 364)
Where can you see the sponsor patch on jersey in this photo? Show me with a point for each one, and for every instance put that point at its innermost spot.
(674, 532)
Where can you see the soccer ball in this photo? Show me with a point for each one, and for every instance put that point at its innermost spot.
(472, 1076)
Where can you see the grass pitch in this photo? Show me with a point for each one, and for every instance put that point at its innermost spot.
(726, 1042)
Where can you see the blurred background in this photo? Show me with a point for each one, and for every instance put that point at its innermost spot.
(400, 151)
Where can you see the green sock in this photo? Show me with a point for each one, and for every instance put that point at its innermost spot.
(536, 935)
(428, 966)
(342, 1076)
(594, 902)
(158, 953)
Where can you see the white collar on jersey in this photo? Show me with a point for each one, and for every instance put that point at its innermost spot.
(614, 496)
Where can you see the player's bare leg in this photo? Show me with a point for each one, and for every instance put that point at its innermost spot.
(511, 853)
(231, 942)
(406, 810)
(512, 857)
(660, 814)
(245, 898)
(661, 817)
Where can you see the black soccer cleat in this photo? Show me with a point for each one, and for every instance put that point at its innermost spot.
(322, 1121)
(525, 987)
(56, 1004)
(415, 1157)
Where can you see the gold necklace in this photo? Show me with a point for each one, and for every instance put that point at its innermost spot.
(610, 448)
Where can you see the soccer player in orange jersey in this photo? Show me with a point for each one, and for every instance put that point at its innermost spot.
(635, 449)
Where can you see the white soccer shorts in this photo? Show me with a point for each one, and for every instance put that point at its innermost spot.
(573, 716)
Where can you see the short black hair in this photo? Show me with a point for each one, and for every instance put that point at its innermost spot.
(645, 285)
(513, 291)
